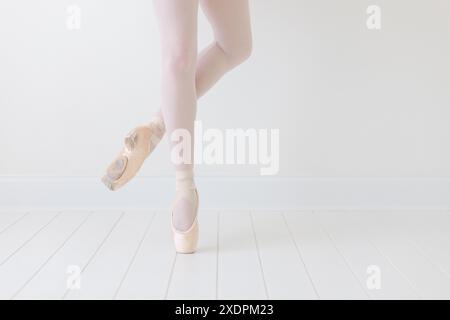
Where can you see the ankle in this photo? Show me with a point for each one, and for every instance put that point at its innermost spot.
(184, 179)
(158, 120)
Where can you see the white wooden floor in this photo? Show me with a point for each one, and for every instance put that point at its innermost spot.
(242, 255)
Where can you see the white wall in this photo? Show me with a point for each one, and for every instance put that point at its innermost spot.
(349, 102)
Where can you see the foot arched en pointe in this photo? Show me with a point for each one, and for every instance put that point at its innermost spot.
(184, 214)
(138, 145)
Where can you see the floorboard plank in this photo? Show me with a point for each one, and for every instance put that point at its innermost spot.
(239, 269)
(8, 219)
(284, 270)
(194, 275)
(330, 273)
(422, 230)
(430, 282)
(365, 260)
(18, 235)
(15, 273)
(103, 275)
(148, 275)
(51, 282)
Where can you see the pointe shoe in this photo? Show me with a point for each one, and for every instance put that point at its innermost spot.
(186, 241)
(138, 145)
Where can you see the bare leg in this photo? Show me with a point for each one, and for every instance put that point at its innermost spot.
(232, 45)
(178, 28)
(177, 21)
(184, 79)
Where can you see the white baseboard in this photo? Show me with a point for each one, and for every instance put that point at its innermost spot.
(260, 193)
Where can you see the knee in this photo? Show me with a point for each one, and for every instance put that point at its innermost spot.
(240, 51)
(179, 62)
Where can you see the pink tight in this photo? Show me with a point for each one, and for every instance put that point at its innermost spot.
(186, 76)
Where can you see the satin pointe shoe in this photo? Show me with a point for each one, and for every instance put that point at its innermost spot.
(138, 145)
(186, 241)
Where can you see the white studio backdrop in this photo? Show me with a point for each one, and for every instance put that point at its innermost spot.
(351, 104)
